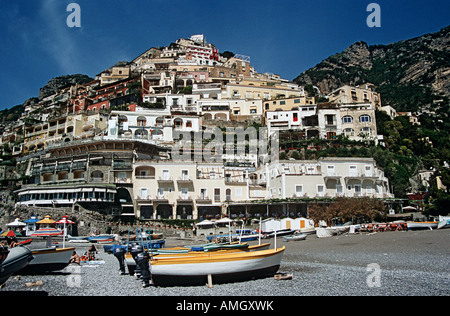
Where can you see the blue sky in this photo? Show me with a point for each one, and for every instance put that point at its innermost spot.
(285, 37)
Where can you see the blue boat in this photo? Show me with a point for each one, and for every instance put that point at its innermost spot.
(101, 238)
(153, 244)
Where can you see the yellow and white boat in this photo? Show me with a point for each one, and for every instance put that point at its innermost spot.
(225, 267)
(131, 264)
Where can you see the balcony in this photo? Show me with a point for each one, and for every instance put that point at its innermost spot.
(122, 165)
(184, 179)
(165, 179)
(203, 199)
(161, 198)
(122, 180)
(184, 199)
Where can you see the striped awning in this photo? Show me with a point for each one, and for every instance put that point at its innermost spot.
(47, 232)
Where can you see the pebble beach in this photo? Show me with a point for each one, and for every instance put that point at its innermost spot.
(398, 263)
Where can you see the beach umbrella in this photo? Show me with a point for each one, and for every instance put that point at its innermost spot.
(43, 232)
(47, 232)
(204, 223)
(16, 223)
(46, 221)
(65, 220)
(9, 233)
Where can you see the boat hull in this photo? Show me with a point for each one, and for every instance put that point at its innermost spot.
(295, 237)
(159, 254)
(222, 268)
(48, 260)
(422, 225)
(18, 258)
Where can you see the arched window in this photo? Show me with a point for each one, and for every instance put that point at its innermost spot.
(141, 121)
(347, 119)
(349, 132)
(366, 131)
(365, 118)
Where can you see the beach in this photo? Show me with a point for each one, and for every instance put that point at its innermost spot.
(398, 263)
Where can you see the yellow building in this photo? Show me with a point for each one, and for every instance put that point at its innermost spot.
(360, 94)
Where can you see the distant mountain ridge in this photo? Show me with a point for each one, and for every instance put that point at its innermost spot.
(418, 68)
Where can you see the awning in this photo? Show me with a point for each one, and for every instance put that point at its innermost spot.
(47, 232)
(16, 223)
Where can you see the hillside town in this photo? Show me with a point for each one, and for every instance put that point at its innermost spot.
(108, 145)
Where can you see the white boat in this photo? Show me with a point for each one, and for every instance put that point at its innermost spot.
(222, 268)
(323, 232)
(308, 230)
(295, 237)
(444, 222)
(48, 259)
(422, 225)
(15, 259)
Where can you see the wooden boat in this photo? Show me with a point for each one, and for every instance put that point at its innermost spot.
(153, 244)
(308, 230)
(295, 237)
(17, 259)
(278, 233)
(222, 268)
(323, 232)
(176, 253)
(422, 225)
(48, 259)
(25, 242)
(101, 238)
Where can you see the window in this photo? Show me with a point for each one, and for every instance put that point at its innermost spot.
(298, 190)
(365, 118)
(188, 123)
(184, 175)
(295, 117)
(366, 131)
(347, 119)
(238, 192)
(349, 132)
(297, 101)
(329, 118)
(203, 194)
(320, 190)
(217, 195)
(358, 190)
(165, 175)
(282, 102)
(143, 193)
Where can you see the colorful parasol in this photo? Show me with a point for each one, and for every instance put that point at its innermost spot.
(47, 232)
(9, 233)
(65, 220)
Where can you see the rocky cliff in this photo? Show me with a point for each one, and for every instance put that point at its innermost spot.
(419, 67)
(58, 83)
